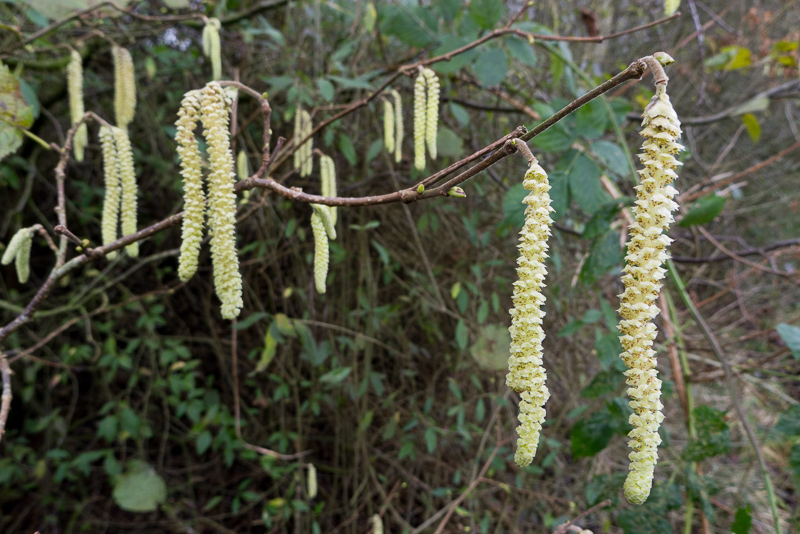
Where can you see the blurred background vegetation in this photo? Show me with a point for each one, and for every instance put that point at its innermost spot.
(394, 381)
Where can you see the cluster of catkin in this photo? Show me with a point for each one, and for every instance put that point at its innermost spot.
(76, 110)
(393, 125)
(303, 155)
(212, 47)
(323, 223)
(124, 86)
(426, 116)
(119, 205)
(211, 108)
(647, 251)
(19, 251)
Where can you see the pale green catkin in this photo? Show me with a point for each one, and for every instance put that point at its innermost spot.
(308, 146)
(193, 196)
(398, 124)
(243, 172)
(526, 372)
(321, 252)
(388, 126)
(221, 201)
(328, 177)
(312, 481)
(647, 251)
(324, 213)
(212, 47)
(110, 222)
(124, 86)
(377, 524)
(19, 249)
(432, 111)
(127, 178)
(420, 122)
(297, 157)
(76, 110)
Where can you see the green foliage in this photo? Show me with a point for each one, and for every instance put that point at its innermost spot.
(591, 435)
(742, 521)
(140, 489)
(652, 515)
(791, 336)
(15, 112)
(704, 210)
(713, 435)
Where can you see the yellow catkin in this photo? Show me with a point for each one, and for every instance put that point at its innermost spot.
(328, 177)
(308, 146)
(221, 201)
(647, 251)
(110, 221)
(321, 252)
(388, 126)
(324, 213)
(420, 122)
(432, 111)
(297, 157)
(377, 524)
(212, 48)
(76, 110)
(127, 179)
(312, 481)
(193, 197)
(526, 372)
(19, 250)
(398, 124)
(124, 86)
(671, 6)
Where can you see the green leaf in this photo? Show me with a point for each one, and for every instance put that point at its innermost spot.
(107, 429)
(742, 521)
(374, 149)
(513, 208)
(325, 89)
(268, 352)
(347, 148)
(591, 119)
(15, 113)
(140, 489)
(559, 194)
(203, 442)
(704, 210)
(337, 376)
(794, 463)
(415, 27)
(604, 254)
(486, 13)
(462, 334)
(521, 51)
(713, 435)
(611, 156)
(450, 43)
(791, 336)
(753, 127)
(250, 320)
(430, 439)
(600, 223)
(603, 383)
(730, 58)
(651, 517)
(591, 435)
(491, 67)
(671, 6)
(557, 138)
(30, 97)
(459, 113)
(351, 83)
(601, 487)
(789, 422)
(490, 350)
(449, 143)
(584, 184)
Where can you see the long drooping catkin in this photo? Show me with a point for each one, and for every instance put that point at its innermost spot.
(110, 221)
(193, 197)
(124, 86)
(432, 111)
(308, 146)
(420, 121)
(212, 47)
(76, 110)
(328, 177)
(19, 251)
(221, 201)
(127, 178)
(321, 252)
(388, 126)
(526, 372)
(398, 124)
(647, 251)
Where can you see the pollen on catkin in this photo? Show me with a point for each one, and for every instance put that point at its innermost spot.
(526, 372)
(76, 110)
(420, 122)
(124, 86)
(110, 222)
(398, 124)
(321, 252)
(193, 196)
(221, 201)
(308, 146)
(127, 179)
(324, 213)
(328, 178)
(19, 249)
(212, 47)
(377, 524)
(388, 126)
(647, 251)
(432, 111)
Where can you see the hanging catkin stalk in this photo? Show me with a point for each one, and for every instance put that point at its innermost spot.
(420, 121)
(193, 197)
(127, 178)
(76, 110)
(110, 221)
(221, 201)
(328, 177)
(398, 124)
(526, 372)
(647, 251)
(432, 111)
(321, 252)
(212, 48)
(19, 250)
(124, 86)
(388, 126)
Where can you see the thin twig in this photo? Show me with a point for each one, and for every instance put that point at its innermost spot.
(562, 529)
